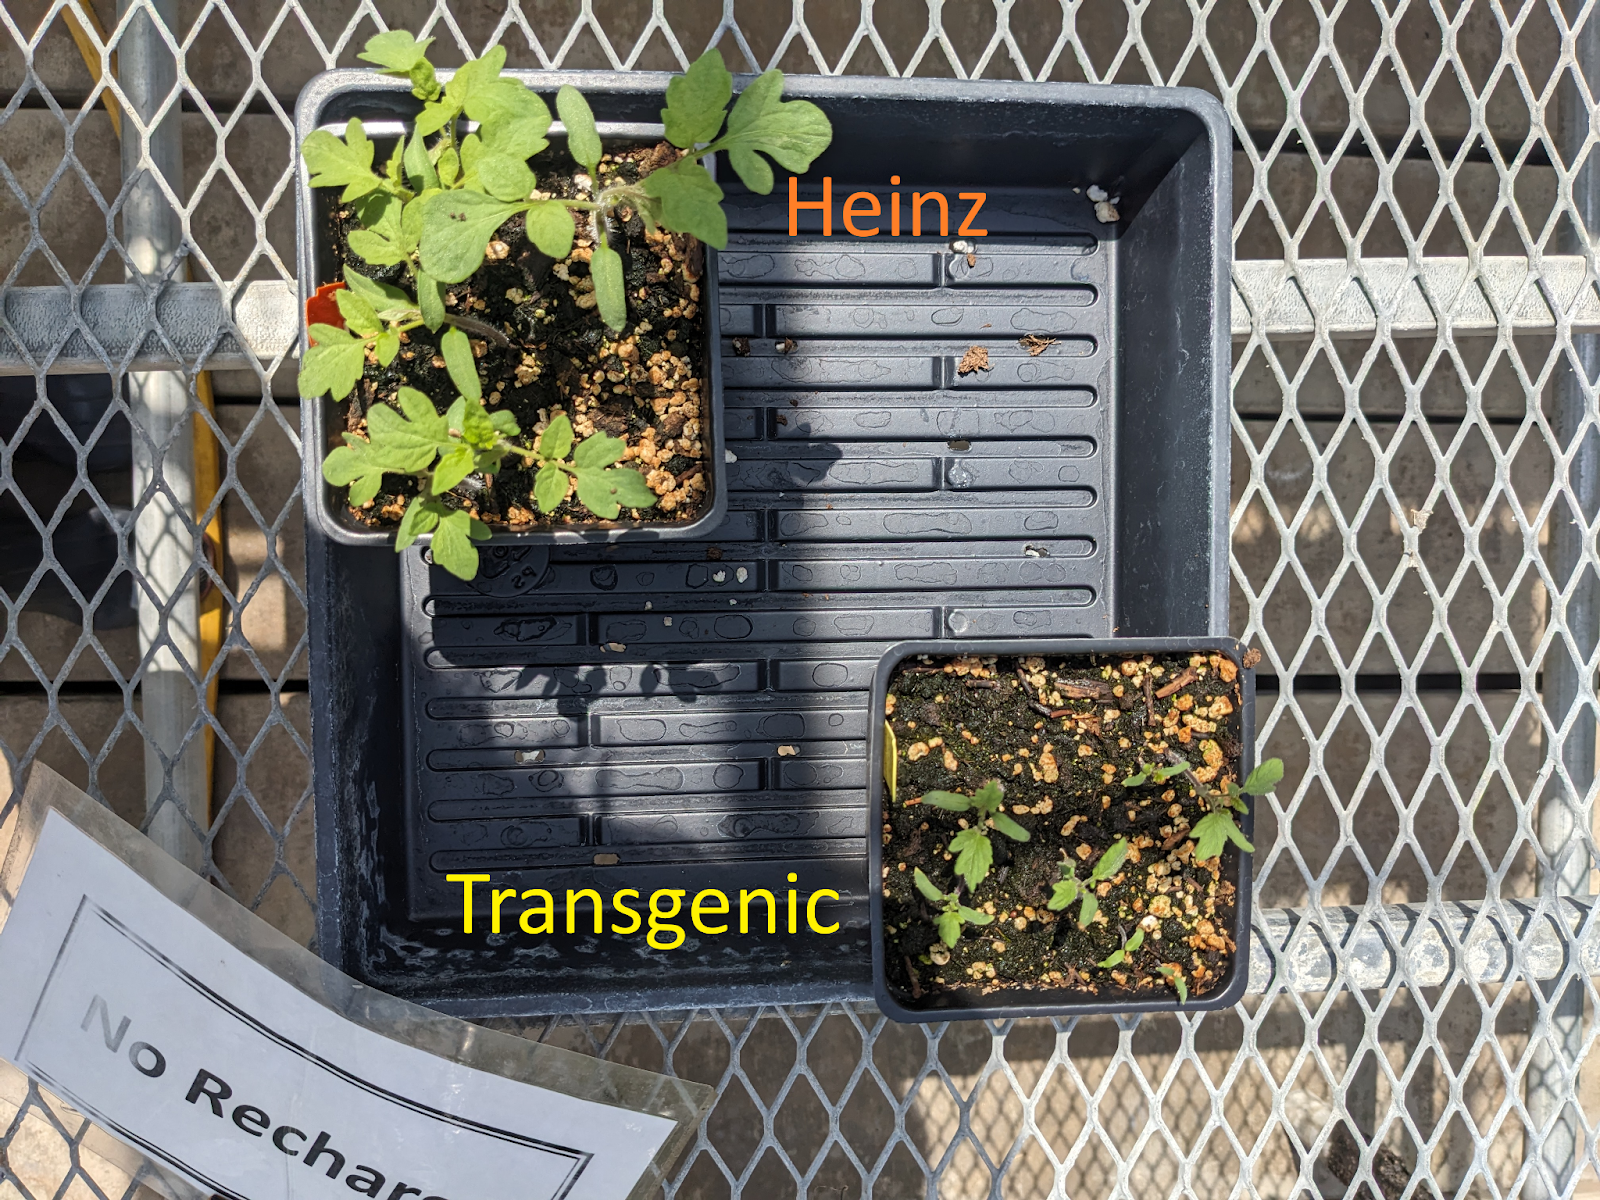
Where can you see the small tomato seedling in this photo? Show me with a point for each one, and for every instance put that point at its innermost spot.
(973, 850)
(952, 913)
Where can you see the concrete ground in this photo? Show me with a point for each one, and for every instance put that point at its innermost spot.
(1325, 422)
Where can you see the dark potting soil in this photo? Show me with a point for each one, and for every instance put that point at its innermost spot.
(1061, 734)
(647, 384)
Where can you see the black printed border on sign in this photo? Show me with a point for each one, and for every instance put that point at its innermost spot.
(580, 1158)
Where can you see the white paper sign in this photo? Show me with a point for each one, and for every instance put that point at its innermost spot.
(178, 1043)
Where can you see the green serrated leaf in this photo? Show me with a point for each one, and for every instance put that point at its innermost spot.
(456, 228)
(333, 365)
(555, 443)
(504, 423)
(386, 347)
(401, 444)
(359, 315)
(598, 450)
(419, 410)
(421, 516)
(380, 295)
(697, 101)
(365, 489)
(1213, 831)
(519, 137)
(610, 292)
(435, 115)
(478, 429)
(453, 467)
(990, 796)
(550, 227)
(690, 201)
(792, 133)
(499, 103)
(1063, 894)
(475, 76)
(549, 488)
(630, 488)
(949, 926)
(430, 300)
(583, 142)
(456, 348)
(925, 886)
(348, 162)
(379, 212)
(452, 546)
(505, 177)
(396, 51)
(418, 165)
(1264, 778)
(974, 855)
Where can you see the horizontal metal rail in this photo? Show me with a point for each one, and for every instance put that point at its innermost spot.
(115, 324)
(1310, 950)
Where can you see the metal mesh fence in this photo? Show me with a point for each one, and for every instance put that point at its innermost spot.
(1416, 468)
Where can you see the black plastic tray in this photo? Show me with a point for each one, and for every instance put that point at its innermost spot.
(548, 713)
(1235, 866)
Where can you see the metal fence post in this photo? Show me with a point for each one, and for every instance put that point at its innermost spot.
(1566, 809)
(166, 545)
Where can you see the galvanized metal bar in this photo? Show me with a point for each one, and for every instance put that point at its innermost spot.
(180, 327)
(166, 538)
(1566, 810)
(198, 327)
(1420, 946)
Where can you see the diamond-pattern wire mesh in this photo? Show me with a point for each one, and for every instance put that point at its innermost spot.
(1393, 501)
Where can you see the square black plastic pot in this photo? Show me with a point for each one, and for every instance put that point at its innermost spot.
(958, 1006)
(878, 495)
(385, 106)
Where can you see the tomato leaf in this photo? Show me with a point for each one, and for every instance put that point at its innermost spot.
(974, 855)
(690, 201)
(598, 450)
(333, 162)
(629, 487)
(452, 546)
(792, 133)
(697, 100)
(456, 228)
(555, 443)
(583, 141)
(549, 487)
(550, 227)
(334, 364)
(456, 348)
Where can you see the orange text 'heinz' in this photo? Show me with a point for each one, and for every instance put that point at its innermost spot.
(861, 207)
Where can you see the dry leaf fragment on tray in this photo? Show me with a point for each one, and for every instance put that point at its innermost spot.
(1036, 344)
(975, 359)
